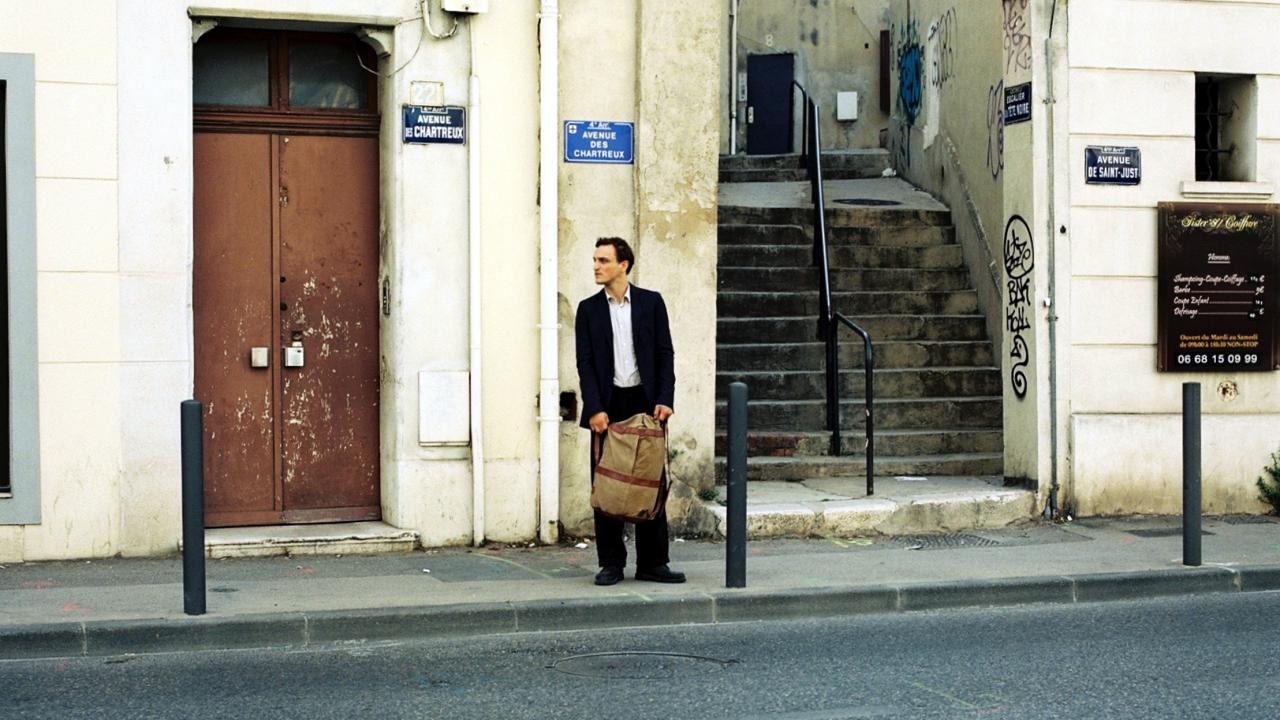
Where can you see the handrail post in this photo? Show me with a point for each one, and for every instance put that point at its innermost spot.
(868, 370)
(826, 319)
(833, 387)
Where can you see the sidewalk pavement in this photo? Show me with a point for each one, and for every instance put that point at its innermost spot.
(121, 606)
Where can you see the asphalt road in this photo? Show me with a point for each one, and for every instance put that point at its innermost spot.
(1198, 657)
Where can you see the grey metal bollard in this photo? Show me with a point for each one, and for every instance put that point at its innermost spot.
(193, 581)
(735, 575)
(1191, 474)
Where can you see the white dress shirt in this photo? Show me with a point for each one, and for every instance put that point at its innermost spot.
(625, 371)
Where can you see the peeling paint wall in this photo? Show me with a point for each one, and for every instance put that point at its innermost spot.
(837, 49)
(595, 201)
(1130, 86)
(676, 196)
(664, 205)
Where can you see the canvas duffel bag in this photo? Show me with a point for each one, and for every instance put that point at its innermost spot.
(630, 479)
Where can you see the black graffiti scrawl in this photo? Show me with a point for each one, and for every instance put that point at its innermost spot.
(1019, 261)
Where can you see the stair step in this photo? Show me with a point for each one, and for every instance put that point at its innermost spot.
(900, 383)
(837, 217)
(888, 354)
(891, 413)
(888, 442)
(842, 279)
(798, 174)
(880, 327)
(733, 304)
(811, 467)
(831, 160)
(798, 234)
(931, 257)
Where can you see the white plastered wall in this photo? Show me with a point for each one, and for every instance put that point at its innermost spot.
(81, 278)
(1131, 86)
(115, 241)
(424, 235)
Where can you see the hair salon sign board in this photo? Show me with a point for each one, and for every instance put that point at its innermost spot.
(1218, 267)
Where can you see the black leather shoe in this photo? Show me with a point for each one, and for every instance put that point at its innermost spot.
(662, 574)
(609, 575)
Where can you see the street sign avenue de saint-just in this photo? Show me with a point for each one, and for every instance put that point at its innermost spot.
(594, 141)
(1112, 165)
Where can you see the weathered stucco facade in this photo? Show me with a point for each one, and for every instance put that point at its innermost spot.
(837, 49)
(114, 240)
(1066, 269)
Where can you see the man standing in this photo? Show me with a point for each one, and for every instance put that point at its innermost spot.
(626, 366)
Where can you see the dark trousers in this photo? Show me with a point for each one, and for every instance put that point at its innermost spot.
(651, 536)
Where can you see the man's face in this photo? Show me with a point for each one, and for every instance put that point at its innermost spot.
(606, 265)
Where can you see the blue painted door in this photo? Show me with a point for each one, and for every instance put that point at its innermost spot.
(769, 107)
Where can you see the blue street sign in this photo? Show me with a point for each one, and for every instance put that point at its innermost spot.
(1112, 165)
(424, 124)
(589, 141)
(1017, 104)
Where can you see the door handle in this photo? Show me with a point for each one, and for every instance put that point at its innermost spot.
(259, 357)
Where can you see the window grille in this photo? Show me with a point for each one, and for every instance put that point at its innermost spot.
(1210, 118)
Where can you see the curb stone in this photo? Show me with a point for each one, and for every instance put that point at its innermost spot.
(212, 632)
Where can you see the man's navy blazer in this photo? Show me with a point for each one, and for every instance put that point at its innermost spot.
(651, 335)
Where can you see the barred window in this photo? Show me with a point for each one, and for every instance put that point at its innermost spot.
(1226, 128)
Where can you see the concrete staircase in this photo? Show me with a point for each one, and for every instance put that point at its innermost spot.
(897, 270)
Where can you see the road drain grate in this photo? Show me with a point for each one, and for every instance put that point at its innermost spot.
(1247, 520)
(944, 542)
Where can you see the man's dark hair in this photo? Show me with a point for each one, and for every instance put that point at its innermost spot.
(621, 249)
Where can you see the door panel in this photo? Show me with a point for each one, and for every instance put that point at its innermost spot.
(769, 107)
(329, 302)
(286, 247)
(232, 299)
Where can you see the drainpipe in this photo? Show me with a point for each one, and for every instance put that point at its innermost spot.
(473, 247)
(733, 77)
(549, 212)
(1051, 509)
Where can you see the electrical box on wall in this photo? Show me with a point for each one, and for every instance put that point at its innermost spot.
(465, 6)
(444, 407)
(846, 106)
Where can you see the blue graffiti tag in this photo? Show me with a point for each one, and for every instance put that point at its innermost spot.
(911, 73)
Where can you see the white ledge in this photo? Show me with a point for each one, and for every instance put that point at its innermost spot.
(1227, 190)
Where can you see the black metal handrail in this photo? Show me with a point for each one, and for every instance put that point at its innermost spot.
(829, 320)
(868, 365)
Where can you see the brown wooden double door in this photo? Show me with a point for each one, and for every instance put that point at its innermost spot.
(286, 256)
